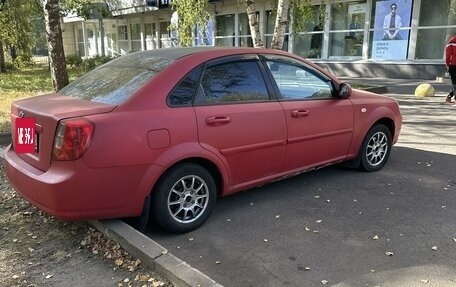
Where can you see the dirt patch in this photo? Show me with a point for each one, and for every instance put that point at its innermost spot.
(39, 250)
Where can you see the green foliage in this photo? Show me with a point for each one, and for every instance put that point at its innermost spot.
(84, 65)
(86, 8)
(16, 29)
(92, 63)
(192, 14)
(74, 60)
(302, 11)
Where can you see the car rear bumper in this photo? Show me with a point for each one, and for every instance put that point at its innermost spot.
(72, 191)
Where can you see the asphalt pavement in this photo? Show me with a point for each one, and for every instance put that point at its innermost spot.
(334, 226)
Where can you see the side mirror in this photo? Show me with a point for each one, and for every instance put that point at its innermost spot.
(345, 90)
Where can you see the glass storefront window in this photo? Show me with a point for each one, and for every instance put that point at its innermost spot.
(135, 37)
(122, 31)
(150, 32)
(225, 30)
(347, 29)
(81, 47)
(270, 24)
(430, 43)
(309, 44)
(431, 36)
(245, 38)
(165, 35)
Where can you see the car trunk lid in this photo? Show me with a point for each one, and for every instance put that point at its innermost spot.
(47, 111)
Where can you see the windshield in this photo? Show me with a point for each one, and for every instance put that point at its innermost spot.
(116, 81)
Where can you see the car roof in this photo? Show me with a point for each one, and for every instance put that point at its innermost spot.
(180, 52)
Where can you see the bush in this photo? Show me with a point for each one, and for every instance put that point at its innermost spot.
(74, 61)
(92, 63)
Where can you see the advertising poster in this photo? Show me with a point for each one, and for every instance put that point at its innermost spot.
(390, 43)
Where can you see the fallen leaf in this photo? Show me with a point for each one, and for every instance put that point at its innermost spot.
(31, 249)
(164, 252)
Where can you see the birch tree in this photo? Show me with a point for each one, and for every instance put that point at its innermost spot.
(254, 25)
(281, 24)
(298, 10)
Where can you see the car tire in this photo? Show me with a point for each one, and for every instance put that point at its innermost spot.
(183, 198)
(376, 148)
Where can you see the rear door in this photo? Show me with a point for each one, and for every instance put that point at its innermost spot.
(238, 120)
(319, 124)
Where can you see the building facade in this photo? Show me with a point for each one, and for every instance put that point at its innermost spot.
(368, 38)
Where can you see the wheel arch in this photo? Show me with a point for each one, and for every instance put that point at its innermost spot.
(210, 166)
(354, 160)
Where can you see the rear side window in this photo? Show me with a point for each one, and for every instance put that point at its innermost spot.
(240, 81)
(116, 81)
(182, 94)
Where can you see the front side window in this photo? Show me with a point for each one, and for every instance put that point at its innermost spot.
(239, 81)
(299, 83)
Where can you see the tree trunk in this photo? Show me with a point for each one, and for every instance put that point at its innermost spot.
(2, 59)
(254, 25)
(280, 25)
(57, 62)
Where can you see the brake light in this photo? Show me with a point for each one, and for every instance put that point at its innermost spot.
(72, 139)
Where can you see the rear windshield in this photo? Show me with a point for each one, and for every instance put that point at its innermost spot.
(117, 80)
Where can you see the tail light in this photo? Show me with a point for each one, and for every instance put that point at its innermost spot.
(72, 139)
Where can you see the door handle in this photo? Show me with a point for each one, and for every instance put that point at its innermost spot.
(217, 120)
(299, 113)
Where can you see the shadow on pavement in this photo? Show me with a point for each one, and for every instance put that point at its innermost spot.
(325, 221)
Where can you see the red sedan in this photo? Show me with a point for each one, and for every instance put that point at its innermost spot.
(161, 134)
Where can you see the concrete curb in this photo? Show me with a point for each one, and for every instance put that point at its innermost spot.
(153, 255)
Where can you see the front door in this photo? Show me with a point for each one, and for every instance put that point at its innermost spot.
(319, 124)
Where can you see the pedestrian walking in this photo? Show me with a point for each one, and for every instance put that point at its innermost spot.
(450, 61)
